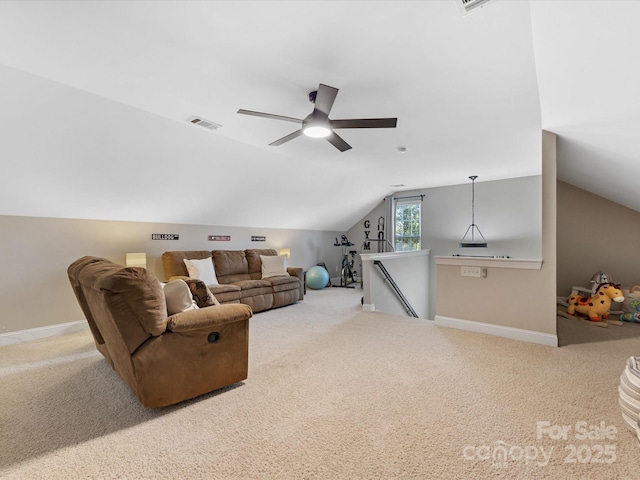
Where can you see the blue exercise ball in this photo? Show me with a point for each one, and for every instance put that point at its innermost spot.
(317, 278)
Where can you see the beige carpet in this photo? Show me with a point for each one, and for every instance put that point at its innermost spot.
(332, 393)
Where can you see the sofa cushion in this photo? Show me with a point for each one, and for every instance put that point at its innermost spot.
(173, 262)
(274, 266)
(178, 297)
(202, 269)
(231, 265)
(254, 262)
(249, 288)
(226, 293)
(281, 284)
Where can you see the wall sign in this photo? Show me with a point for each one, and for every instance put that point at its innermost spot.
(366, 245)
(165, 236)
(219, 238)
(258, 238)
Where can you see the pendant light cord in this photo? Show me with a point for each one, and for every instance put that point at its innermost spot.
(473, 227)
(473, 205)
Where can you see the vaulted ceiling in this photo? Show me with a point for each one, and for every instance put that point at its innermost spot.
(96, 98)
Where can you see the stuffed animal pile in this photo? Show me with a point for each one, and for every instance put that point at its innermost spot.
(595, 303)
(631, 305)
(632, 316)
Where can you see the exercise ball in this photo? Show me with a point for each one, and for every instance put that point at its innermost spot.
(317, 277)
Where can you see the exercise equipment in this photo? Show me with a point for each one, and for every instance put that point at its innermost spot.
(317, 278)
(348, 276)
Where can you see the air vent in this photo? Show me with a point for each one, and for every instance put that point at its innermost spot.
(201, 122)
(469, 6)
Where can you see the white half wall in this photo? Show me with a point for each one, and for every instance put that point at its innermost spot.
(409, 271)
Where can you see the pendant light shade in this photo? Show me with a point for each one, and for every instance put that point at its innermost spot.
(470, 238)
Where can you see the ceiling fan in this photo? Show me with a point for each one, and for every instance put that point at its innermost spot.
(318, 124)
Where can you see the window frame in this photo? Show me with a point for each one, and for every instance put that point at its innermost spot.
(401, 240)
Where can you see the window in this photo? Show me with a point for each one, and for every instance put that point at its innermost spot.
(406, 234)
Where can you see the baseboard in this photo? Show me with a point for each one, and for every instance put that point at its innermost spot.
(499, 331)
(42, 332)
(368, 307)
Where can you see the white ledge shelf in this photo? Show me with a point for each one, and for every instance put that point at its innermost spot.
(383, 255)
(517, 263)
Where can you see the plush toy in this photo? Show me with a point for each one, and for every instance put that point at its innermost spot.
(598, 279)
(596, 307)
(632, 315)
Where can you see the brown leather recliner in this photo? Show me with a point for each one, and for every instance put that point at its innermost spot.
(163, 359)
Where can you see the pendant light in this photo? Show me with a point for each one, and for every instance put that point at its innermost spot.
(473, 241)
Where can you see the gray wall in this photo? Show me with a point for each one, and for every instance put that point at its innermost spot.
(595, 234)
(35, 253)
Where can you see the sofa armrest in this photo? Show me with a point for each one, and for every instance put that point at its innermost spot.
(299, 274)
(296, 272)
(207, 317)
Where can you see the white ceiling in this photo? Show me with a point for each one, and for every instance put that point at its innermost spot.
(92, 92)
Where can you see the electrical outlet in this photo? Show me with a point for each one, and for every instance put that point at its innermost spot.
(337, 268)
(467, 271)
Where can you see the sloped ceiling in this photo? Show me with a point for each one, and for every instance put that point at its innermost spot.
(588, 77)
(95, 99)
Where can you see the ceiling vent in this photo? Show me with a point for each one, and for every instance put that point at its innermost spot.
(209, 125)
(469, 6)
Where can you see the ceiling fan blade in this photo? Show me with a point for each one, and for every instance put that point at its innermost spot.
(365, 123)
(324, 99)
(291, 136)
(269, 115)
(337, 141)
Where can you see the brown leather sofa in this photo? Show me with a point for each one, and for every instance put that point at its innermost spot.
(163, 359)
(240, 277)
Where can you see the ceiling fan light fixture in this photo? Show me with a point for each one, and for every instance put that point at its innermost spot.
(316, 131)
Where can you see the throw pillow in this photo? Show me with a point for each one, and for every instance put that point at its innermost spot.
(178, 297)
(274, 266)
(201, 293)
(203, 270)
